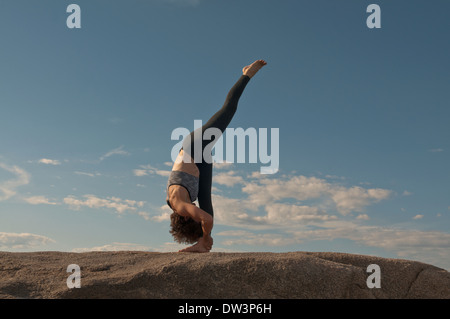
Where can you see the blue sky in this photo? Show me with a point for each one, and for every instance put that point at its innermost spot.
(363, 116)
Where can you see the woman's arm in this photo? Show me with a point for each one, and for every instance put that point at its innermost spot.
(197, 214)
(204, 243)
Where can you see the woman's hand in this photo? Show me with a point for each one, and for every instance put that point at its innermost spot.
(196, 213)
(206, 221)
(207, 241)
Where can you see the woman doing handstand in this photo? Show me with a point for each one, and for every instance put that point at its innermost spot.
(191, 179)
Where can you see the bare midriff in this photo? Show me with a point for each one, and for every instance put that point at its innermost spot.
(185, 166)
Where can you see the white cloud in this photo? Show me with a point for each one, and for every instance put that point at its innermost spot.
(418, 216)
(229, 178)
(22, 241)
(165, 247)
(267, 190)
(144, 215)
(145, 170)
(119, 205)
(8, 187)
(116, 151)
(268, 204)
(335, 177)
(297, 209)
(233, 212)
(49, 161)
(404, 242)
(161, 218)
(165, 213)
(427, 246)
(287, 214)
(37, 200)
(249, 238)
(140, 172)
(234, 233)
(87, 174)
(264, 206)
(169, 247)
(223, 165)
(115, 247)
(264, 191)
(241, 213)
(436, 150)
(163, 173)
(355, 199)
(310, 217)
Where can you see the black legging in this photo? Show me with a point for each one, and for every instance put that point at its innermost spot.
(219, 120)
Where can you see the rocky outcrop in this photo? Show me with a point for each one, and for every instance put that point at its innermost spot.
(294, 275)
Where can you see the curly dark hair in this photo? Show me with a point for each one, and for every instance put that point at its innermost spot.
(185, 231)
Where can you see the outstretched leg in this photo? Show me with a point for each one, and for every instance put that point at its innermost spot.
(219, 120)
(223, 117)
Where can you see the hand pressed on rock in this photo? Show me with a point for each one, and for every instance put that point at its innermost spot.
(203, 245)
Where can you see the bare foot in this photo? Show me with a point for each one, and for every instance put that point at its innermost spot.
(250, 70)
(197, 248)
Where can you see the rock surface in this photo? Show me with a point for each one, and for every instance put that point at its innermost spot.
(299, 275)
